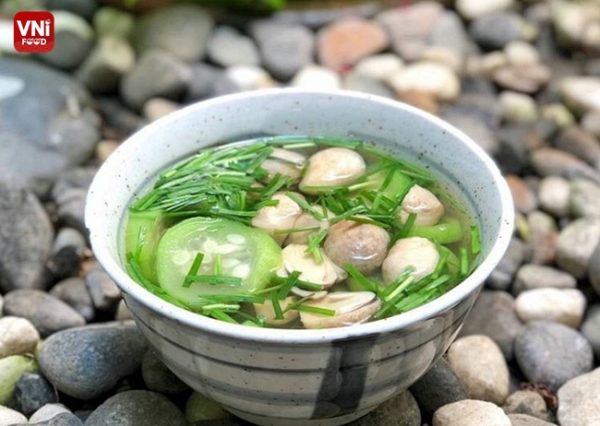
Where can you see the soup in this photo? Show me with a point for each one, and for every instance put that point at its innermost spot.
(298, 232)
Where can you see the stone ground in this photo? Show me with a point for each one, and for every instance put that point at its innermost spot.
(521, 77)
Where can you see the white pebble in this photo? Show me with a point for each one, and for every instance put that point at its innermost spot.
(17, 336)
(517, 107)
(565, 306)
(379, 67)
(519, 53)
(427, 77)
(554, 194)
(470, 412)
(47, 412)
(10, 417)
(316, 77)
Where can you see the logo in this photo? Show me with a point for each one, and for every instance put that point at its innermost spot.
(33, 32)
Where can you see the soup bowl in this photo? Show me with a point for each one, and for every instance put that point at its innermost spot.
(300, 377)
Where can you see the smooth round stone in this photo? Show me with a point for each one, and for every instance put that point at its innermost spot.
(47, 313)
(137, 407)
(585, 198)
(74, 293)
(558, 114)
(182, 30)
(524, 198)
(519, 53)
(158, 377)
(379, 67)
(471, 9)
(438, 387)
(590, 123)
(543, 235)
(576, 244)
(472, 122)
(88, 361)
(554, 194)
(343, 43)
(479, 363)
(9, 417)
(525, 420)
(316, 77)
(402, 410)
(105, 148)
(581, 93)
(470, 412)
(565, 306)
(501, 278)
(518, 107)
(104, 292)
(123, 313)
(227, 47)
(591, 328)
(527, 79)
(156, 108)
(32, 392)
(583, 145)
(11, 370)
(579, 399)
(109, 21)
(198, 408)
(551, 353)
(494, 31)
(526, 402)
(427, 77)
(362, 83)
(530, 277)
(68, 252)
(73, 41)
(247, 77)
(62, 419)
(69, 194)
(17, 336)
(48, 412)
(444, 56)
(83, 8)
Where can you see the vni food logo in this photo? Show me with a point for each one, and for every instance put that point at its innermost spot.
(33, 32)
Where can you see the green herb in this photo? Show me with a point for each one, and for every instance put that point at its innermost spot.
(220, 315)
(464, 262)
(213, 280)
(475, 239)
(286, 287)
(193, 269)
(276, 306)
(314, 245)
(326, 312)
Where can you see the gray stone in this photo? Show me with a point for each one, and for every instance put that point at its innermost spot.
(32, 392)
(227, 47)
(527, 402)
(104, 292)
(62, 419)
(438, 387)
(182, 30)
(496, 30)
(524, 197)
(156, 74)
(526, 79)
(579, 399)
(526, 420)
(554, 194)
(284, 48)
(551, 354)
(470, 412)
(123, 313)
(73, 39)
(158, 377)
(26, 238)
(473, 126)
(530, 277)
(579, 143)
(590, 123)
(591, 328)
(88, 361)
(203, 82)
(450, 32)
(576, 244)
(68, 251)
(494, 315)
(69, 194)
(543, 236)
(109, 21)
(134, 408)
(74, 293)
(581, 93)
(64, 133)
(47, 412)
(121, 121)
(83, 8)
(585, 198)
(362, 83)
(401, 410)
(502, 277)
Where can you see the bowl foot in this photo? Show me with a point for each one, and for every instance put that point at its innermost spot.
(271, 421)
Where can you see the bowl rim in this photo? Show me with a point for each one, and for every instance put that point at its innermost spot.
(302, 336)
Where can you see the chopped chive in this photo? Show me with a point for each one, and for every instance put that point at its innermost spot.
(214, 280)
(314, 245)
(286, 287)
(305, 206)
(217, 265)
(406, 228)
(464, 261)
(475, 239)
(220, 315)
(193, 269)
(326, 312)
(231, 298)
(269, 289)
(305, 285)
(276, 306)
(222, 306)
(360, 279)
(400, 287)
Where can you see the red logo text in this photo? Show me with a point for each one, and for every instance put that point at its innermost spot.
(33, 32)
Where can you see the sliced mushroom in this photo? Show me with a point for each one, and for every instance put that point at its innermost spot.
(420, 253)
(350, 308)
(424, 204)
(362, 245)
(332, 167)
(325, 273)
(275, 219)
(268, 313)
(285, 162)
(307, 220)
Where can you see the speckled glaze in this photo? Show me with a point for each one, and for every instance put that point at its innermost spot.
(300, 377)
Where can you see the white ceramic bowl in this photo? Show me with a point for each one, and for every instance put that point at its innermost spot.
(289, 377)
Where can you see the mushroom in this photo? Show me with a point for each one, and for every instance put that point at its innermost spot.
(332, 167)
(307, 220)
(276, 219)
(350, 308)
(424, 204)
(326, 273)
(420, 253)
(362, 245)
(285, 162)
(268, 313)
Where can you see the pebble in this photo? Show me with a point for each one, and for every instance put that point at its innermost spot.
(470, 412)
(579, 400)
(284, 48)
(156, 108)
(88, 361)
(68, 252)
(109, 21)
(558, 114)
(449, 32)
(379, 67)
(73, 38)
(524, 198)
(110, 59)
(123, 313)
(17, 336)
(156, 74)
(520, 53)
(579, 143)
(550, 353)
(105, 148)
(204, 78)
(427, 77)
(495, 31)
(9, 417)
(590, 123)
(543, 236)
(63, 419)
(471, 9)
(526, 402)
(47, 313)
(530, 277)
(591, 328)
(565, 306)
(576, 244)
(525, 420)
(554, 194)
(480, 365)
(246, 77)
(32, 392)
(576, 24)
(554, 162)
(11, 370)
(438, 387)
(158, 377)
(136, 407)
(518, 107)
(74, 293)
(69, 194)
(594, 269)
(494, 315)
(83, 8)
(121, 121)
(198, 408)
(444, 56)
(527, 79)
(501, 278)
(48, 412)
(581, 93)
(363, 83)
(181, 30)
(316, 77)
(227, 47)
(585, 198)
(401, 410)
(343, 43)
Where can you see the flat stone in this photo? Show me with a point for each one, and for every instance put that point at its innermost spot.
(316, 77)
(576, 244)
(470, 412)
(554, 194)
(48, 412)
(17, 336)
(104, 292)
(501, 278)
(158, 377)
(579, 143)
(524, 198)
(362, 83)
(519, 54)
(525, 420)
(379, 67)
(428, 77)
(473, 125)
(579, 400)
(585, 198)
(591, 328)
(401, 410)
(526, 402)
(494, 31)
(530, 277)
(32, 392)
(73, 39)
(554, 162)
(565, 306)
(227, 47)
(204, 78)
(74, 293)
(581, 93)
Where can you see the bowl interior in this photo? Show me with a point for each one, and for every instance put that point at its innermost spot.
(467, 172)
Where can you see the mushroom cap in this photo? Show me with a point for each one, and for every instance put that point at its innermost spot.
(351, 307)
(424, 204)
(268, 313)
(285, 162)
(420, 253)
(307, 220)
(363, 245)
(279, 217)
(332, 167)
(326, 273)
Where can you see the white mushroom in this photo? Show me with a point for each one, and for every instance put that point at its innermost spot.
(325, 273)
(350, 308)
(332, 167)
(424, 204)
(420, 253)
(268, 313)
(362, 245)
(285, 162)
(307, 220)
(278, 218)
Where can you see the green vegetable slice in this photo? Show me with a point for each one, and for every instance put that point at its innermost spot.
(446, 232)
(246, 258)
(141, 239)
